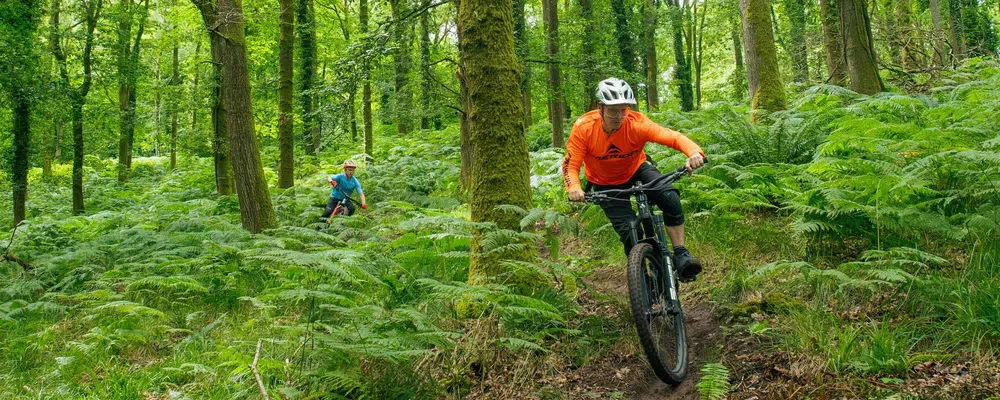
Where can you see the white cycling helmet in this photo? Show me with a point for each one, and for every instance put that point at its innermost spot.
(614, 91)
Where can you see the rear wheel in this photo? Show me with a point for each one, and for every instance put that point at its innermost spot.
(660, 325)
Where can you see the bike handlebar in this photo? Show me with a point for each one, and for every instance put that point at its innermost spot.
(639, 187)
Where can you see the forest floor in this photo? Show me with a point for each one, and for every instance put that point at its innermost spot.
(757, 370)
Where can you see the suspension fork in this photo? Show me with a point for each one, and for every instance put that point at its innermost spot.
(653, 224)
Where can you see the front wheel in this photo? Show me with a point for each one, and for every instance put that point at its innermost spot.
(340, 210)
(660, 325)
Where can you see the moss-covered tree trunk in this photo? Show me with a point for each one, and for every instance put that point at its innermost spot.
(739, 79)
(366, 92)
(682, 74)
(523, 50)
(175, 82)
(500, 162)
(941, 55)
(833, 42)
(224, 180)
(589, 55)
(306, 32)
(426, 110)
(796, 11)
(402, 63)
(550, 14)
(77, 96)
(956, 33)
(862, 66)
(652, 69)
(226, 17)
(908, 52)
(286, 132)
(21, 113)
(18, 78)
(767, 92)
(623, 35)
(128, 72)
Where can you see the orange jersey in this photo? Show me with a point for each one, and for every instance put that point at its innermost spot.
(613, 159)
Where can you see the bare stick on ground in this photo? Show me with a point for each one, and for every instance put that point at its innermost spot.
(256, 374)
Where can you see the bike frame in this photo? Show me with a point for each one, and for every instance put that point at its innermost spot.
(647, 221)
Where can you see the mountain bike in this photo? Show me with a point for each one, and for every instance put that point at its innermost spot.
(341, 208)
(652, 282)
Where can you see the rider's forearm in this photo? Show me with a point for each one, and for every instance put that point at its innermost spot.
(363, 202)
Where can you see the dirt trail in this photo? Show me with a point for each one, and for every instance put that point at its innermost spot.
(623, 371)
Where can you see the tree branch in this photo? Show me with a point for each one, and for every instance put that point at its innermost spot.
(256, 373)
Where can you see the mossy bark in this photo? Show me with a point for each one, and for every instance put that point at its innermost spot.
(652, 69)
(767, 91)
(862, 65)
(306, 32)
(833, 43)
(796, 11)
(286, 133)
(403, 63)
(500, 153)
(21, 110)
(623, 35)
(908, 52)
(682, 75)
(523, 50)
(366, 92)
(557, 106)
(77, 96)
(224, 181)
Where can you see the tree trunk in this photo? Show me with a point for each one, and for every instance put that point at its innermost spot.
(224, 181)
(499, 177)
(941, 56)
(306, 31)
(767, 92)
(796, 10)
(77, 104)
(21, 111)
(226, 17)
(862, 66)
(907, 36)
(523, 50)
(697, 49)
(652, 70)
(623, 35)
(426, 109)
(682, 75)
(366, 92)
(156, 109)
(958, 46)
(833, 42)
(126, 124)
(286, 133)
(590, 58)
(175, 81)
(739, 80)
(78, 97)
(402, 61)
(195, 104)
(550, 15)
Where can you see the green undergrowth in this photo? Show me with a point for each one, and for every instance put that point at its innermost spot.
(858, 232)
(158, 289)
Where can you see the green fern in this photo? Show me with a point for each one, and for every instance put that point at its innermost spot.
(714, 382)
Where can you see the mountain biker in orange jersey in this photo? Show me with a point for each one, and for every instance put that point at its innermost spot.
(347, 184)
(608, 142)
